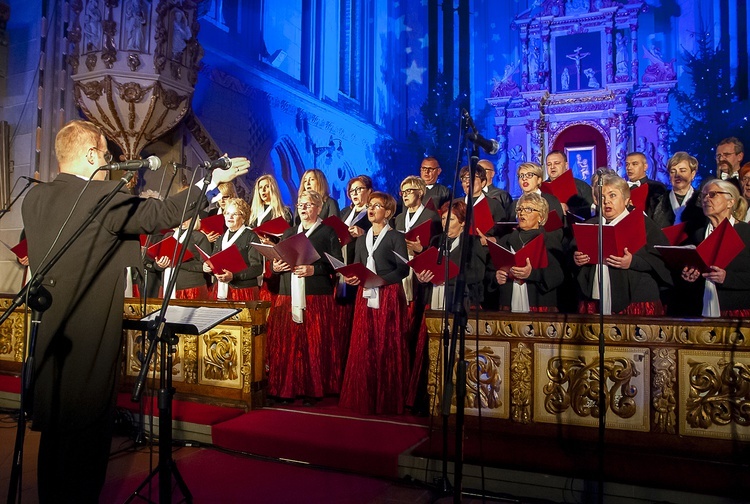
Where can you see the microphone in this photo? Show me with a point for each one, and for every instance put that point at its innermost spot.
(490, 146)
(222, 163)
(31, 179)
(151, 162)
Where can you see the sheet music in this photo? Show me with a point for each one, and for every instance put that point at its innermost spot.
(202, 318)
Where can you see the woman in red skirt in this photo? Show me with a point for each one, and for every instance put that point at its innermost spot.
(243, 285)
(300, 326)
(377, 367)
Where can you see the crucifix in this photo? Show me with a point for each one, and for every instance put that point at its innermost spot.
(577, 56)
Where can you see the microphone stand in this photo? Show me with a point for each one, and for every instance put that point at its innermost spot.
(458, 336)
(159, 331)
(10, 205)
(602, 381)
(39, 300)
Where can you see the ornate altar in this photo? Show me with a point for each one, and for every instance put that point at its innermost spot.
(665, 378)
(581, 90)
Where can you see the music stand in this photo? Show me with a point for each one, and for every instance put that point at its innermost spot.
(177, 320)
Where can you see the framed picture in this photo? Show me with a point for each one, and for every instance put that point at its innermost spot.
(578, 62)
(582, 161)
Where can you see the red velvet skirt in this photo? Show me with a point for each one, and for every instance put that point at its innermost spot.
(246, 294)
(743, 313)
(302, 357)
(640, 308)
(377, 371)
(201, 293)
(535, 309)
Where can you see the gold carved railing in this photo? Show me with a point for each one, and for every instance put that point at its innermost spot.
(223, 366)
(685, 377)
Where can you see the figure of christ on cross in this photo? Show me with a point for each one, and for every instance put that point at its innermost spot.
(577, 56)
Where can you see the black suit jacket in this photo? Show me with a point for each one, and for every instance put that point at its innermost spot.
(655, 191)
(79, 339)
(322, 281)
(693, 213)
(248, 277)
(439, 195)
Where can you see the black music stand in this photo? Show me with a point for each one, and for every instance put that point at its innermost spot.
(178, 320)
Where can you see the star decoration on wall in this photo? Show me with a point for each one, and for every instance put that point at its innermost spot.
(425, 41)
(414, 73)
(400, 26)
(495, 37)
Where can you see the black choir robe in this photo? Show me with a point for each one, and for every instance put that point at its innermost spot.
(191, 271)
(543, 283)
(389, 267)
(500, 195)
(248, 277)
(439, 195)
(330, 207)
(474, 274)
(693, 213)
(642, 282)
(323, 279)
(655, 191)
(734, 294)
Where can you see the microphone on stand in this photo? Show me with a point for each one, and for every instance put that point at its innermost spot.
(489, 145)
(222, 163)
(151, 162)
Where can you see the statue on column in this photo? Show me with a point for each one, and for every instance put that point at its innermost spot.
(136, 19)
(502, 159)
(662, 151)
(92, 26)
(621, 60)
(533, 63)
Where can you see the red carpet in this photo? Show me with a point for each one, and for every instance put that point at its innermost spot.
(11, 384)
(214, 477)
(325, 435)
(184, 411)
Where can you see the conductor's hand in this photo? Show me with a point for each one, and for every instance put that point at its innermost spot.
(580, 258)
(239, 168)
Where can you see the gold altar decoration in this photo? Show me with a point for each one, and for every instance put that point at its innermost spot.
(134, 64)
(223, 365)
(663, 376)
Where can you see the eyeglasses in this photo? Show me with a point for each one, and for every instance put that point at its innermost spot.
(356, 190)
(374, 206)
(526, 210)
(407, 192)
(465, 178)
(526, 175)
(429, 168)
(722, 155)
(231, 215)
(712, 194)
(303, 206)
(107, 155)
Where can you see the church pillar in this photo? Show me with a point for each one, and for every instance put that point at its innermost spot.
(634, 52)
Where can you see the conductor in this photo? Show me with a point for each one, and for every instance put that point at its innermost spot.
(79, 340)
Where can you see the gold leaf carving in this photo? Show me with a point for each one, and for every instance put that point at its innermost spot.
(483, 379)
(220, 361)
(718, 394)
(575, 383)
(520, 379)
(663, 396)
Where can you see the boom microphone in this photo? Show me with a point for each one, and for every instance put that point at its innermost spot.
(490, 146)
(151, 162)
(223, 163)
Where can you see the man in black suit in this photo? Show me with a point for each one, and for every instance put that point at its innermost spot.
(430, 171)
(580, 203)
(729, 155)
(79, 340)
(636, 166)
(490, 190)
